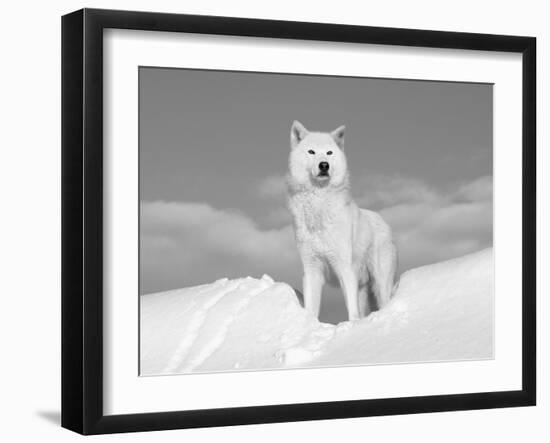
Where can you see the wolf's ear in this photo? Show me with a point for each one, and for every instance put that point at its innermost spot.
(297, 133)
(338, 136)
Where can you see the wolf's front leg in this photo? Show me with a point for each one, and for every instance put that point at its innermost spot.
(349, 286)
(313, 287)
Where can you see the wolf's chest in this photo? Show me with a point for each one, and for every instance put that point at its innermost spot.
(318, 221)
(317, 217)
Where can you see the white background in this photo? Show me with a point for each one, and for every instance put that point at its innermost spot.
(30, 251)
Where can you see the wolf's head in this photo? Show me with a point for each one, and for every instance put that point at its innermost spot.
(317, 158)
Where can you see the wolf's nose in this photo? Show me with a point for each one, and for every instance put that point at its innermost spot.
(323, 166)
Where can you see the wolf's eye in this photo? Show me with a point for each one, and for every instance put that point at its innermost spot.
(329, 153)
(311, 151)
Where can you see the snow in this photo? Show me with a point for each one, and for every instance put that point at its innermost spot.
(440, 312)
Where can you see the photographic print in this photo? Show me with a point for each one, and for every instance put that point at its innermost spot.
(297, 221)
(261, 218)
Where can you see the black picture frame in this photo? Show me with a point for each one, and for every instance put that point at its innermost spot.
(82, 220)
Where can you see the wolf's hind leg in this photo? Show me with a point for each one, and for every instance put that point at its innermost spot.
(363, 296)
(349, 286)
(383, 266)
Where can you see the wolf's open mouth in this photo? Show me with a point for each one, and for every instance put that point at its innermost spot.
(323, 174)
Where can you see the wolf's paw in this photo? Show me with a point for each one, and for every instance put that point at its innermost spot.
(344, 326)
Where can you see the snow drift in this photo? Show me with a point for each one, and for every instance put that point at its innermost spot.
(439, 312)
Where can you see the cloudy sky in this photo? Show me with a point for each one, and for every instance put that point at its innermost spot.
(213, 154)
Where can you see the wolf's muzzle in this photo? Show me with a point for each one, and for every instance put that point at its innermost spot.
(324, 167)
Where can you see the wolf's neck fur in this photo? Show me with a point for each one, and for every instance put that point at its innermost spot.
(319, 191)
(314, 208)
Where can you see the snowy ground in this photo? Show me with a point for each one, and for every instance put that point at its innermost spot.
(440, 312)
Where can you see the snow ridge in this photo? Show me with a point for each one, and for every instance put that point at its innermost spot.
(211, 295)
(243, 294)
(439, 312)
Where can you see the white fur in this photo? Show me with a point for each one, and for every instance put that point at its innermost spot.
(338, 242)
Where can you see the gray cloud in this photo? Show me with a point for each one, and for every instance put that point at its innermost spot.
(431, 226)
(185, 244)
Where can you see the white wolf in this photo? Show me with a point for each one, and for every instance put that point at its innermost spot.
(338, 242)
